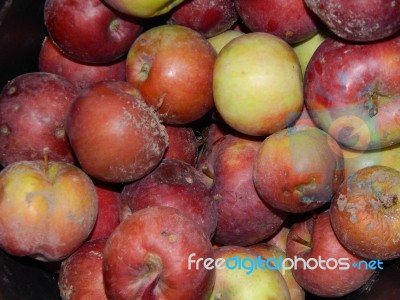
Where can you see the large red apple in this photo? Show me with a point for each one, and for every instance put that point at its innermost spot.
(89, 31)
(52, 60)
(352, 91)
(81, 274)
(176, 184)
(243, 217)
(365, 213)
(47, 209)
(33, 109)
(358, 20)
(209, 18)
(172, 67)
(114, 134)
(290, 20)
(146, 257)
(298, 169)
(320, 263)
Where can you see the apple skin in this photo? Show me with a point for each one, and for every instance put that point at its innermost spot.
(209, 18)
(220, 40)
(146, 257)
(358, 20)
(176, 184)
(47, 209)
(351, 91)
(52, 60)
(298, 169)
(290, 20)
(166, 57)
(279, 238)
(144, 8)
(33, 109)
(94, 33)
(235, 284)
(243, 217)
(108, 210)
(115, 136)
(182, 144)
(267, 251)
(257, 84)
(81, 274)
(315, 237)
(365, 213)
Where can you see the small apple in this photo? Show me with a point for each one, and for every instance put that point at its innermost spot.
(279, 238)
(182, 144)
(257, 84)
(172, 67)
(33, 110)
(220, 40)
(114, 134)
(47, 209)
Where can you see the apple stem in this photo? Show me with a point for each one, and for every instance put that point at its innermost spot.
(302, 241)
(46, 160)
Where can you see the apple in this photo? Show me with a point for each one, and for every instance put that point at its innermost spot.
(47, 209)
(114, 134)
(257, 84)
(238, 276)
(108, 217)
(298, 169)
(365, 213)
(33, 109)
(182, 144)
(81, 274)
(146, 257)
(304, 119)
(351, 91)
(52, 60)
(357, 20)
(267, 251)
(172, 67)
(220, 40)
(209, 18)
(176, 184)
(144, 8)
(291, 20)
(243, 217)
(89, 31)
(279, 238)
(320, 263)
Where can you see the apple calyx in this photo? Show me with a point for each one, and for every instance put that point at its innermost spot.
(151, 276)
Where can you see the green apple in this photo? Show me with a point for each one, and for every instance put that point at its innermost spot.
(257, 84)
(220, 40)
(239, 283)
(143, 8)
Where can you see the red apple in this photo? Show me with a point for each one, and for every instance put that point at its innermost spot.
(182, 144)
(172, 67)
(243, 217)
(52, 60)
(146, 257)
(176, 184)
(47, 209)
(358, 20)
(108, 216)
(298, 169)
(320, 263)
(115, 136)
(81, 274)
(89, 31)
(290, 20)
(352, 91)
(33, 109)
(209, 18)
(365, 213)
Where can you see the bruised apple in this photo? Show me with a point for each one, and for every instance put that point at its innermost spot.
(172, 67)
(47, 209)
(365, 213)
(33, 110)
(114, 134)
(298, 169)
(146, 257)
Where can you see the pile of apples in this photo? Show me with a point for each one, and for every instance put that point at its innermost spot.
(155, 132)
